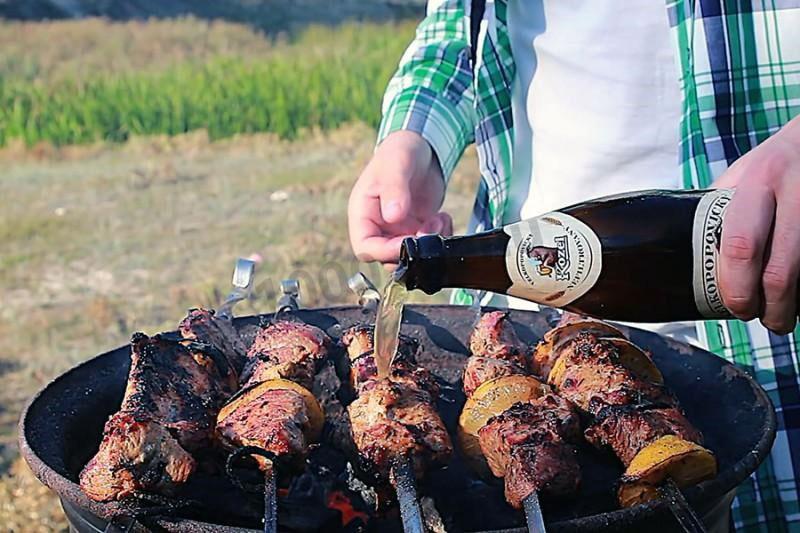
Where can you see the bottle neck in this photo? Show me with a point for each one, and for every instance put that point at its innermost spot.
(433, 263)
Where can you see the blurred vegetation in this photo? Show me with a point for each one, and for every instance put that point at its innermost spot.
(320, 79)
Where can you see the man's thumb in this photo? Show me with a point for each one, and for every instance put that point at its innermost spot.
(395, 203)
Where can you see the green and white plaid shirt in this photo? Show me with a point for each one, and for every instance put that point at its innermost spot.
(739, 72)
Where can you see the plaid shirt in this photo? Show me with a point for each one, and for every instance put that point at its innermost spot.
(739, 72)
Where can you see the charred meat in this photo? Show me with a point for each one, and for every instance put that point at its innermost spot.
(479, 370)
(494, 337)
(393, 418)
(592, 377)
(619, 387)
(276, 410)
(285, 350)
(137, 454)
(274, 420)
(202, 325)
(626, 430)
(529, 443)
(173, 394)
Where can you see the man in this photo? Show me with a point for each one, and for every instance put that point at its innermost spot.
(572, 99)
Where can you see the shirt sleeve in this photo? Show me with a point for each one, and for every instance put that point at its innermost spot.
(431, 92)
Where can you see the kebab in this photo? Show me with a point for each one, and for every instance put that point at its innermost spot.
(512, 425)
(176, 386)
(275, 410)
(393, 419)
(616, 383)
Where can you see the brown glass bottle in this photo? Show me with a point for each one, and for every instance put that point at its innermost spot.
(657, 256)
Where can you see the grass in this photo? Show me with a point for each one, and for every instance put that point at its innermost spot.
(321, 79)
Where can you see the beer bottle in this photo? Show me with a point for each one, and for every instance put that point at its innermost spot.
(642, 257)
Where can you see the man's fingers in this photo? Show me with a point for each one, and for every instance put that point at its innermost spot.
(395, 199)
(363, 220)
(780, 274)
(747, 224)
(438, 224)
(447, 224)
(381, 249)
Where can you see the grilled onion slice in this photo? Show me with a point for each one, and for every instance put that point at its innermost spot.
(670, 456)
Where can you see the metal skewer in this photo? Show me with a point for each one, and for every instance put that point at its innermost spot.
(270, 485)
(242, 286)
(406, 489)
(680, 508)
(533, 513)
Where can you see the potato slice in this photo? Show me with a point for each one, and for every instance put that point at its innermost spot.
(316, 418)
(636, 360)
(670, 456)
(490, 399)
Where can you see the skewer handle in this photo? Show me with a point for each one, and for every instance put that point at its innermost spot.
(242, 286)
(533, 513)
(406, 490)
(680, 508)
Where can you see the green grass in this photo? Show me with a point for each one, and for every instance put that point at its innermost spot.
(323, 79)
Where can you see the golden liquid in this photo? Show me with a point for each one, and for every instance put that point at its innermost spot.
(387, 324)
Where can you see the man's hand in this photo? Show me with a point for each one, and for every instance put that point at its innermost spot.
(398, 195)
(760, 249)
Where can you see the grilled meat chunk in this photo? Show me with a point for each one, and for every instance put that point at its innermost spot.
(550, 418)
(546, 467)
(549, 348)
(274, 421)
(137, 454)
(202, 325)
(167, 385)
(591, 377)
(290, 333)
(359, 343)
(628, 429)
(171, 400)
(287, 362)
(494, 337)
(479, 370)
(391, 420)
(529, 446)
(285, 349)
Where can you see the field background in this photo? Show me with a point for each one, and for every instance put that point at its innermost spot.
(139, 158)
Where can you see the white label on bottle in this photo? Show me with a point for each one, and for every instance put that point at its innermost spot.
(553, 259)
(706, 238)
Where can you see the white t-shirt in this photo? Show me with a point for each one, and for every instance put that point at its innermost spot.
(596, 106)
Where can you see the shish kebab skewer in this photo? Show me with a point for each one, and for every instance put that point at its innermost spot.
(396, 429)
(513, 424)
(275, 416)
(592, 364)
(402, 470)
(174, 389)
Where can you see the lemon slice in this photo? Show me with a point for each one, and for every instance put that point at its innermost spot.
(637, 360)
(685, 462)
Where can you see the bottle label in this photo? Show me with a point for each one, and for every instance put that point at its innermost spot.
(706, 238)
(553, 259)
